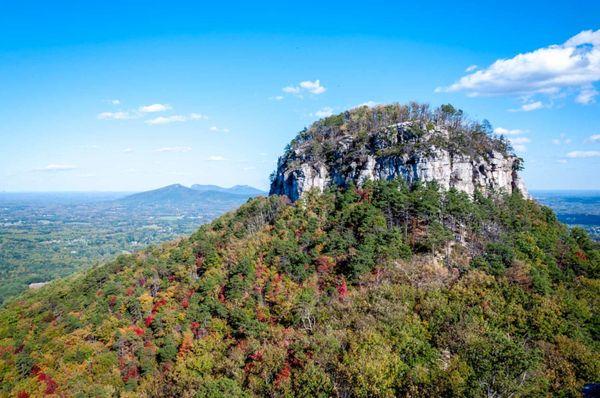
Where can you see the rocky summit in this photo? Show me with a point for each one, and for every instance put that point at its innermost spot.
(391, 141)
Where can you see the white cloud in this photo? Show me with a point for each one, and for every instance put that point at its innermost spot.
(471, 68)
(532, 106)
(505, 132)
(595, 138)
(324, 112)
(312, 87)
(197, 116)
(550, 70)
(583, 154)
(174, 149)
(520, 140)
(587, 95)
(175, 118)
(166, 120)
(216, 158)
(518, 143)
(277, 97)
(57, 167)
(562, 161)
(217, 129)
(127, 150)
(370, 104)
(154, 108)
(291, 90)
(115, 115)
(514, 137)
(529, 106)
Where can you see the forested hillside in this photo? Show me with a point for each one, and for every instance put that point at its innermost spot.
(384, 290)
(45, 236)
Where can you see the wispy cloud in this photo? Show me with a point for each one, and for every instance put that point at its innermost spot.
(277, 98)
(587, 95)
(370, 104)
(166, 119)
(519, 143)
(291, 90)
(562, 140)
(127, 150)
(216, 158)
(594, 138)
(507, 132)
(175, 118)
(313, 87)
(573, 65)
(120, 115)
(54, 167)
(174, 149)
(532, 106)
(324, 112)
(514, 137)
(583, 154)
(307, 86)
(149, 109)
(471, 68)
(154, 108)
(218, 129)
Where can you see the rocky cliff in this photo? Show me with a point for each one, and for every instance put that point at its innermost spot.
(408, 141)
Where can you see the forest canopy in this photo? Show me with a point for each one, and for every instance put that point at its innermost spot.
(384, 290)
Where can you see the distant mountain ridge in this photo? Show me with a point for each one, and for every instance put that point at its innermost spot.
(236, 189)
(177, 193)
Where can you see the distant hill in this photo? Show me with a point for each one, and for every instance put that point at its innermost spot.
(198, 194)
(236, 189)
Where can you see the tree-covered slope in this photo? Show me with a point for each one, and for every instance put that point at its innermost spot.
(384, 290)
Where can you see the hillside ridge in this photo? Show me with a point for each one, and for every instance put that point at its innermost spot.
(180, 193)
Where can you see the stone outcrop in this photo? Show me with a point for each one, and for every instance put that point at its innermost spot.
(413, 150)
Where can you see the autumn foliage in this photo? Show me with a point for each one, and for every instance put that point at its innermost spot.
(382, 291)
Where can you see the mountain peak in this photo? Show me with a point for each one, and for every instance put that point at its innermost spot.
(385, 142)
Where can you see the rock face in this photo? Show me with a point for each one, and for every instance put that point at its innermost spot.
(435, 148)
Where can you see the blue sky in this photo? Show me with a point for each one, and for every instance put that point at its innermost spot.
(124, 96)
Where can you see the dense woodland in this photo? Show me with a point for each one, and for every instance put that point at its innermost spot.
(384, 290)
